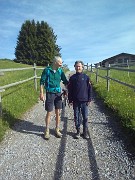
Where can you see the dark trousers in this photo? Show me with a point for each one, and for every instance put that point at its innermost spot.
(80, 114)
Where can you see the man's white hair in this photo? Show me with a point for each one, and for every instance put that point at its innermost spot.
(57, 59)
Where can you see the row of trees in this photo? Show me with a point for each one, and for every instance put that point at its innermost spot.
(36, 43)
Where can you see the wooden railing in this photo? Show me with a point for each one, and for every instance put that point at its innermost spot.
(90, 68)
(95, 70)
(3, 88)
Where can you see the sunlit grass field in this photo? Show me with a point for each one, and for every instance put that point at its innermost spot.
(18, 99)
(120, 99)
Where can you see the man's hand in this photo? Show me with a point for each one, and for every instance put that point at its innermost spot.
(42, 98)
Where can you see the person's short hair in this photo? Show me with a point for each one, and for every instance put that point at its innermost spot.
(57, 58)
(77, 62)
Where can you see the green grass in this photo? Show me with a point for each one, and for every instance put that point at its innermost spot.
(18, 99)
(120, 99)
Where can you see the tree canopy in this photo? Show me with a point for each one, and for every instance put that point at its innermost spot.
(36, 43)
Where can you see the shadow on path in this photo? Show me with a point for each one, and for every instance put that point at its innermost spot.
(60, 157)
(28, 127)
(92, 158)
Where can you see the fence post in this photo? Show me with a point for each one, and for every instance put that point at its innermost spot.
(87, 67)
(96, 74)
(1, 102)
(128, 66)
(91, 67)
(108, 75)
(35, 79)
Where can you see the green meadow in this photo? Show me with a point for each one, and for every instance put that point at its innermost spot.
(18, 99)
(120, 99)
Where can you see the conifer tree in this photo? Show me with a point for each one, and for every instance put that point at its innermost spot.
(36, 44)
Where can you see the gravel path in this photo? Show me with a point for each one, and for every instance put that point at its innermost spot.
(25, 155)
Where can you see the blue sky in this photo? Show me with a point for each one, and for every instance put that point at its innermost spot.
(88, 30)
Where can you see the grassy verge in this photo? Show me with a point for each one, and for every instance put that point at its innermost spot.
(120, 99)
(18, 99)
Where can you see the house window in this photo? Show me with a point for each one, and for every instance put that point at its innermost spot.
(120, 60)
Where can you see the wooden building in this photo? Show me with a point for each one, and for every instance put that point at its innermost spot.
(122, 59)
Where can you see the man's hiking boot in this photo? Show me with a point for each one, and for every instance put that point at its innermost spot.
(58, 133)
(47, 134)
(77, 136)
(85, 133)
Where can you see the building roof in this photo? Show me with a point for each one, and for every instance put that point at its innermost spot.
(113, 57)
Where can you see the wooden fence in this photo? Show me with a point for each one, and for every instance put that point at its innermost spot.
(90, 68)
(95, 70)
(3, 88)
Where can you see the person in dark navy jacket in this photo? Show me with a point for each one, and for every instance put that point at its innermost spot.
(79, 95)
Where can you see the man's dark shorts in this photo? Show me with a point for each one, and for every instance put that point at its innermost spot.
(53, 99)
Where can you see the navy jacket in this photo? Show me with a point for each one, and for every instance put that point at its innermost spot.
(79, 88)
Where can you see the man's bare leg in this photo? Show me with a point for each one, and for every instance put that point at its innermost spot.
(47, 119)
(47, 122)
(57, 112)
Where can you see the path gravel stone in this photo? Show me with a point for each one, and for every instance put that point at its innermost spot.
(26, 155)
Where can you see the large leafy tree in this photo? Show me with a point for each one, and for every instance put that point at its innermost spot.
(36, 44)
